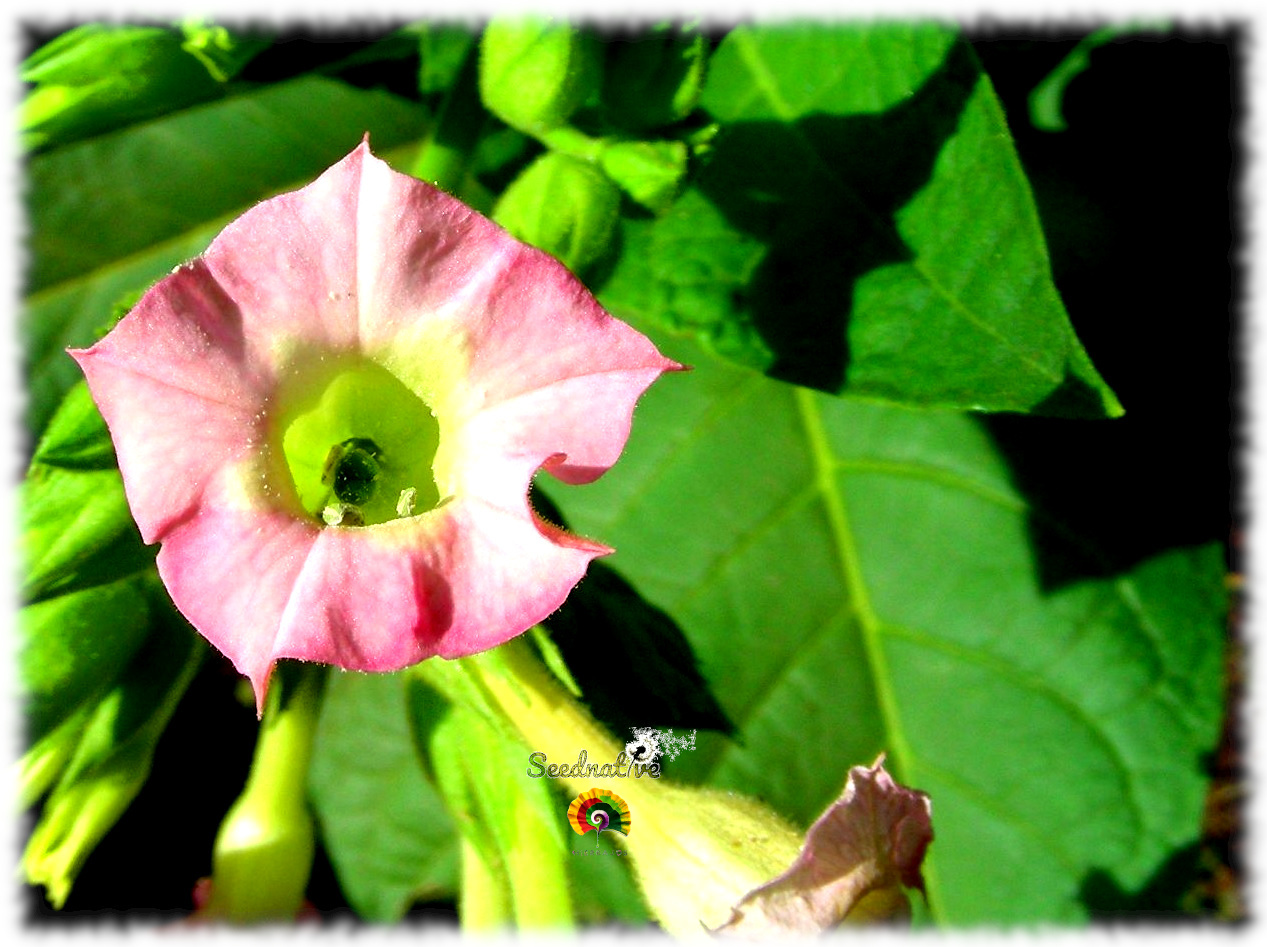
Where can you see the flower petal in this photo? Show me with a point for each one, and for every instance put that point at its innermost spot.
(232, 573)
(453, 582)
(179, 393)
(522, 322)
(290, 263)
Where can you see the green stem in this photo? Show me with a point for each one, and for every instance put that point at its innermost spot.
(263, 853)
(569, 141)
(534, 702)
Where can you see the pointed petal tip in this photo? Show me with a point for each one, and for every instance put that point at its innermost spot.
(81, 356)
(259, 686)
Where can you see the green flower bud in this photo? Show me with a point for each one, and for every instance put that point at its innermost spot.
(263, 856)
(535, 73)
(563, 205)
(264, 849)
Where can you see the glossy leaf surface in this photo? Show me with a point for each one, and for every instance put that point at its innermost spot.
(864, 578)
(862, 224)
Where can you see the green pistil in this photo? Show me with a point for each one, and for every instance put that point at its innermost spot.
(357, 443)
(354, 470)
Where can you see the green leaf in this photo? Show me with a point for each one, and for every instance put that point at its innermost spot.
(855, 577)
(77, 437)
(442, 49)
(148, 185)
(112, 754)
(117, 212)
(99, 77)
(863, 225)
(654, 79)
(77, 531)
(386, 830)
(659, 684)
(74, 646)
(74, 313)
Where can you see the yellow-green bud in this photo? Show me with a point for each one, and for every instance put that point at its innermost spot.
(263, 856)
(535, 73)
(563, 205)
(264, 849)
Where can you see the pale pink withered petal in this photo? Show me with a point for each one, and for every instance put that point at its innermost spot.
(364, 274)
(861, 852)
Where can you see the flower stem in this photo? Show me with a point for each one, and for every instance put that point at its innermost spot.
(263, 852)
(485, 903)
(514, 858)
(571, 141)
(547, 716)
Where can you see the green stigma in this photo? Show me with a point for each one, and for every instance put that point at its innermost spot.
(357, 443)
(352, 470)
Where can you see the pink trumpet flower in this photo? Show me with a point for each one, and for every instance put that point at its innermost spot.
(330, 421)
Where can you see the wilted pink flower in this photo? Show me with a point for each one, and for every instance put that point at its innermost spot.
(331, 418)
(857, 858)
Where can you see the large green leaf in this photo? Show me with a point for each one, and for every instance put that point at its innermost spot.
(110, 215)
(857, 577)
(386, 829)
(863, 225)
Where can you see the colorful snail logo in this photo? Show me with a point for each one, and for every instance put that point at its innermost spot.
(598, 809)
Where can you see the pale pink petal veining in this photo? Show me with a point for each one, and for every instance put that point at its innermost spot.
(290, 263)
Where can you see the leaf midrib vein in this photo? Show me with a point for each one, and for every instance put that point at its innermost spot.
(869, 626)
(827, 486)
